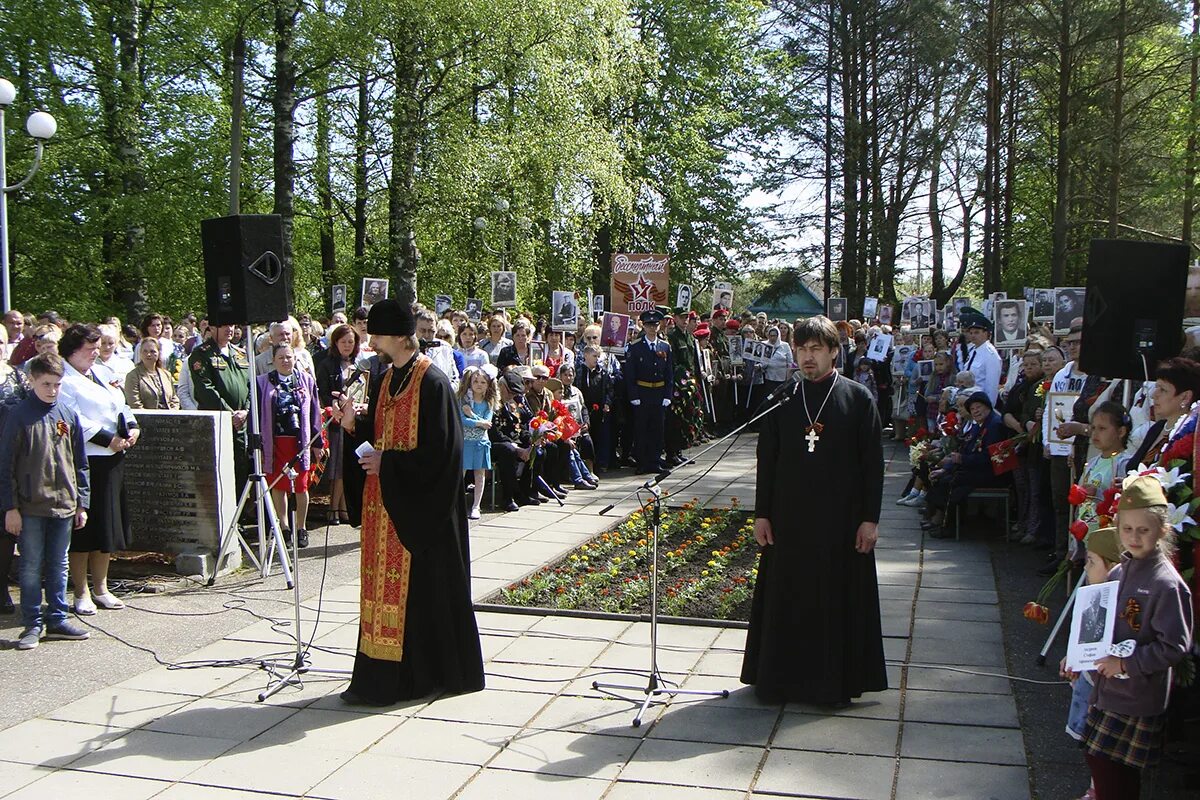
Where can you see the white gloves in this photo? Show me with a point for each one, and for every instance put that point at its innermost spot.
(635, 402)
(666, 402)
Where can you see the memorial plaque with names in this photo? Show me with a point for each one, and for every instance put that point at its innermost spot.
(179, 482)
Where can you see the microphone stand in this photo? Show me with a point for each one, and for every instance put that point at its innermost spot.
(654, 688)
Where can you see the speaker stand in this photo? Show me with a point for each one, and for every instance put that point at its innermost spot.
(265, 517)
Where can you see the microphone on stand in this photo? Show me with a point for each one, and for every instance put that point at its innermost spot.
(778, 392)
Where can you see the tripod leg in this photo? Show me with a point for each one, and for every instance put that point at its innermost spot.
(231, 534)
(271, 522)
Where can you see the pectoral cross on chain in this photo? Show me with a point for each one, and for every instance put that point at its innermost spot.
(813, 436)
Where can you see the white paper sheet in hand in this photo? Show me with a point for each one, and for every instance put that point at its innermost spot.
(364, 449)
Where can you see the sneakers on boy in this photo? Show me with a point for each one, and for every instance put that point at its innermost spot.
(911, 493)
(67, 630)
(29, 638)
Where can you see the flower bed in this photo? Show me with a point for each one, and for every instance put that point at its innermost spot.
(707, 560)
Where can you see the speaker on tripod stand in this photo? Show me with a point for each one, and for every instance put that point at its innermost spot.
(1133, 315)
(247, 282)
(245, 279)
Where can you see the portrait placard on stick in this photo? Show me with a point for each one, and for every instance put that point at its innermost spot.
(722, 296)
(1068, 309)
(879, 347)
(337, 300)
(565, 311)
(870, 307)
(838, 309)
(683, 296)
(1043, 305)
(1011, 324)
(504, 289)
(442, 303)
(474, 309)
(614, 332)
(374, 290)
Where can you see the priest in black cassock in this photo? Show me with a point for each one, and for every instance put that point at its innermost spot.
(417, 631)
(815, 634)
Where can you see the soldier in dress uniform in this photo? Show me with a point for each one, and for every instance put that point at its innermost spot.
(648, 375)
(220, 374)
(685, 416)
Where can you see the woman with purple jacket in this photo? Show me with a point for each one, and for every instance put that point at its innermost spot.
(290, 416)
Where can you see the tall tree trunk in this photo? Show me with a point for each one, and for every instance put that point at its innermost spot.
(828, 148)
(128, 265)
(936, 231)
(1062, 165)
(991, 168)
(402, 200)
(1010, 163)
(283, 109)
(361, 119)
(1114, 154)
(324, 181)
(237, 108)
(1189, 171)
(851, 135)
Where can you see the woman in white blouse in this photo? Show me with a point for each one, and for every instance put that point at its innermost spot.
(778, 361)
(110, 429)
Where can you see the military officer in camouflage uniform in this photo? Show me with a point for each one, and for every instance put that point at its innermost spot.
(220, 375)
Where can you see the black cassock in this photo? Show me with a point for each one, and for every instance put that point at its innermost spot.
(815, 634)
(424, 495)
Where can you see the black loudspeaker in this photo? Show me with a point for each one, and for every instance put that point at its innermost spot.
(1133, 316)
(244, 277)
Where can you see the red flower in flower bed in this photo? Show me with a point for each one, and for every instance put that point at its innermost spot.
(1077, 495)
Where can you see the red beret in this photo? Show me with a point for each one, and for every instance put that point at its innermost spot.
(693, 315)
(701, 331)
(720, 311)
(732, 325)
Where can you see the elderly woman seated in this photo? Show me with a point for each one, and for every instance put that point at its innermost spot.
(968, 468)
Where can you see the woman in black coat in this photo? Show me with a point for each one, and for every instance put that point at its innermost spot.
(333, 372)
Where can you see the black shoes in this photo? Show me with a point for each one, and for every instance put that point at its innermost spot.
(302, 538)
(512, 506)
(351, 699)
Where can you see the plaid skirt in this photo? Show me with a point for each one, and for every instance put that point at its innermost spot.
(1133, 741)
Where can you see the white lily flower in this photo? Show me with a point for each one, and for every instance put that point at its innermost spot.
(1178, 516)
(1171, 478)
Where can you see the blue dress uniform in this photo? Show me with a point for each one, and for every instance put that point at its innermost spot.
(648, 377)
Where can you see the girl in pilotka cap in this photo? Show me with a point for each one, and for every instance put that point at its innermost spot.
(1125, 725)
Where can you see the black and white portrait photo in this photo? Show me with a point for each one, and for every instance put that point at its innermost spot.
(838, 309)
(1011, 323)
(474, 309)
(1043, 305)
(597, 305)
(374, 290)
(1093, 621)
(683, 296)
(1068, 309)
(885, 315)
(565, 316)
(925, 368)
(870, 307)
(504, 289)
(923, 315)
(723, 296)
(338, 301)
(442, 303)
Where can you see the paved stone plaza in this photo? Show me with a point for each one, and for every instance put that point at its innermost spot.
(539, 730)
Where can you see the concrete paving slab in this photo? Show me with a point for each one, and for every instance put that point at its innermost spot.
(984, 596)
(963, 651)
(565, 753)
(934, 780)
(53, 743)
(692, 764)
(119, 708)
(192, 791)
(829, 775)
(547, 650)
(438, 740)
(222, 719)
(291, 770)
(154, 755)
(491, 707)
(626, 790)
(712, 721)
(958, 630)
(961, 708)
(327, 729)
(370, 775)
(493, 783)
(942, 680)
(963, 743)
(830, 734)
(13, 775)
(596, 714)
(968, 612)
(69, 785)
(873, 705)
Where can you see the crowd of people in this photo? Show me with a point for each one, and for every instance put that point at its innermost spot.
(544, 411)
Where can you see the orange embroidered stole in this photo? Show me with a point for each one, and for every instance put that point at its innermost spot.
(385, 562)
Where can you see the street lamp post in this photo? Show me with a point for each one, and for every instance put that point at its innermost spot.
(480, 224)
(42, 127)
